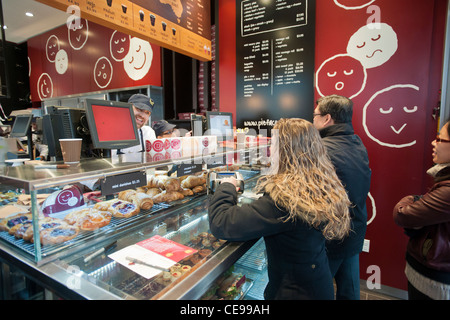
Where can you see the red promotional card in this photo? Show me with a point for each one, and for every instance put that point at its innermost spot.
(167, 248)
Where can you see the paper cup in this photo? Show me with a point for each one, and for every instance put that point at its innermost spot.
(71, 150)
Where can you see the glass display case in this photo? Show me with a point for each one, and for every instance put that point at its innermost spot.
(96, 264)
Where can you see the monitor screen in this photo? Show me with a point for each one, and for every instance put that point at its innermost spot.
(111, 124)
(21, 126)
(62, 123)
(197, 124)
(220, 124)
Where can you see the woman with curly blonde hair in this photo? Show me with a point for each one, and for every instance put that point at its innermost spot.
(303, 205)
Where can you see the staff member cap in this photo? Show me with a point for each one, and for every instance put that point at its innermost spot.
(162, 126)
(141, 101)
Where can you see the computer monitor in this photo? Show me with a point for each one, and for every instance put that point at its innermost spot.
(111, 124)
(198, 124)
(62, 123)
(220, 124)
(21, 126)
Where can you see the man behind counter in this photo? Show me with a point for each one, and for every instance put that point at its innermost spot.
(142, 107)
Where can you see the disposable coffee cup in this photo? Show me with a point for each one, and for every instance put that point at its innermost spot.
(71, 150)
(152, 20)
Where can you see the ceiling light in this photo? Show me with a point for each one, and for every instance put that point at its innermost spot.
(29, 14)
(5, 27)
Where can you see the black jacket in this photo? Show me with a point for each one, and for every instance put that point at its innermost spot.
(297, 261)
(349, 156)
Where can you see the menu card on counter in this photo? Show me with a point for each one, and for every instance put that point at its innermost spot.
(274, 61)
(150, 257)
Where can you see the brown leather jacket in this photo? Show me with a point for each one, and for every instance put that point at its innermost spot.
(429, 217)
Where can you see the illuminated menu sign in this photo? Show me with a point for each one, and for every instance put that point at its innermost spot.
(274, 61)
(183, 26)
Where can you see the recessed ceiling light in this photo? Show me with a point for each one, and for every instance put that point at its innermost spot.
(29, 14)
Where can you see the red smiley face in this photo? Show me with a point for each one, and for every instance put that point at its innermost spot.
(393, 115)
(342, 75)
(45, 86)
(52, 48)
(78, 34)
(119, 45)
(103, 72)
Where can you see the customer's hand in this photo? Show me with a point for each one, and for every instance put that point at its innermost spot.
(231, 180)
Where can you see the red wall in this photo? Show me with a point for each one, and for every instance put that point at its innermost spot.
(88, 59)
(393, 101)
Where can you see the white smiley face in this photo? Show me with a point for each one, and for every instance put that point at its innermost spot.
(138, 61)
(373, 44)
(52, 47)
(78, 34)
(103, 72)
(353, 4)
(45, 86)
(392, 115)
(119, 45)
(61, 61)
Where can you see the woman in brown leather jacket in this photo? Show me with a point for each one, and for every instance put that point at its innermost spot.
(426, 220)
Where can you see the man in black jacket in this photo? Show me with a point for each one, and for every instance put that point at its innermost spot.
(333, 119)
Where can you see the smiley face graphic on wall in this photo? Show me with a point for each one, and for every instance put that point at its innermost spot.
(138, 61)
(341, 74)
(373, 44)
(61, 61)
(119, 45)
(389, 116)
(52, 48)
(103, 72)
(353, 4)
(78, 34)
(45, 86)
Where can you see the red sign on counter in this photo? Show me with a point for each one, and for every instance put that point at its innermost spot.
(167, 248)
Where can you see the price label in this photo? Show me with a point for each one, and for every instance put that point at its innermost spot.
(114, 184)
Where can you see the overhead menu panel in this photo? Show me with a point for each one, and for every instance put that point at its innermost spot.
(274, 61)
(183, 26)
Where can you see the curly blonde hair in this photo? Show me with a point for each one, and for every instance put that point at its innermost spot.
(303, 181)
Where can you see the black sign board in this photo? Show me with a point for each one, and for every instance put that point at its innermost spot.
(274, 61)
(114, 184)
(187, 169)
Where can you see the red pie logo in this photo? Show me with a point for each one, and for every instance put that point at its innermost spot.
(158, 146)
(176, 144)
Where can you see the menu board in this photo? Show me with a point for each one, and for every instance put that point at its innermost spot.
(274, 61)
(183, 26)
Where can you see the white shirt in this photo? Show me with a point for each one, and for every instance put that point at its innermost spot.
(147, 134)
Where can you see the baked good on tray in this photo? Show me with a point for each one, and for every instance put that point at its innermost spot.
(22, 229)
(142, 200)
(168, 196)
(9, 222)
(193, 181)
(118, 208)
(44, 224)
(88, 219)
(58, 234)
